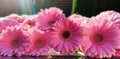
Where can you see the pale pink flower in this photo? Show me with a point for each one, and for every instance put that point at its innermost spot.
(29, 22)
(19, 18)
(107, 14)
(81, 20)
(13, 42)
(39, 42)
(102, 38)
(48, 17)
(7, 22)
(66, 36)
(111, 16)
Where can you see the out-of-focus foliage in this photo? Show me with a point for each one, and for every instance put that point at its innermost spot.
(93, 7)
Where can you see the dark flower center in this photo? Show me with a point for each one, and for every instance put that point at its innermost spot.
(29, 24)
(66, 34)
(16, 42)
(39, 43)
(98, 38)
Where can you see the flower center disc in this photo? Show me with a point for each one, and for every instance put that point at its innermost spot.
(98, 38)
(66, 34)
(16, 43)
(31, 24)
(39, 43)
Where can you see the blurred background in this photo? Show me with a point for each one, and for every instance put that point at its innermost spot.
(84, 7)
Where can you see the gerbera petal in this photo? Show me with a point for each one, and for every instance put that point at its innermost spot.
(100, 52)
(93, 49)
(66, 46)
(57, 42)
(60, 47)
(104, 51)
(86, 43)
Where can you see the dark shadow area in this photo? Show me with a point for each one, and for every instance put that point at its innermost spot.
(91, 8)
(65, 5)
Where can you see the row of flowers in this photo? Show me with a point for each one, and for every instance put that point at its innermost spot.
(98, 36)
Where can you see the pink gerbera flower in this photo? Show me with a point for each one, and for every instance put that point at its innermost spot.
(29, 22)
(66, 36)
(39, 42)
(17, 17)
(48, 17)
(115, 17)
(79, 19)
(13, 42)
(108, 14)
(7, 22)
(102, 38)
(112, 16)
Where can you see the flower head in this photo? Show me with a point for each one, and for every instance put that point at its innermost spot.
(29, 22)
(111, 16)
(48, 17)
(79, 19)
(39, 42)
(66, 36)
(13, 42)
(102, 38)
(114, 17)
(7, 22)
(17, 17)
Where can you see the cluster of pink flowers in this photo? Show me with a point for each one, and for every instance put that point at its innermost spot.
(33, 35)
